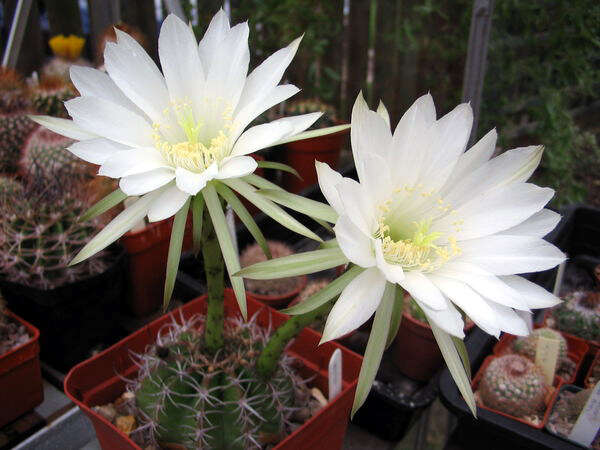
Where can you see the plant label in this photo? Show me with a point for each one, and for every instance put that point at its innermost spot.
(335, 374)
(588, 422)
(546, 357)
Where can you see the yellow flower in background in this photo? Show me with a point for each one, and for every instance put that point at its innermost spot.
(68, 47)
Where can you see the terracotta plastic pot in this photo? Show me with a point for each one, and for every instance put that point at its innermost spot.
(555, 387)
(415, 351)
(148, 250)
(21, 387)
(282, 300)
(576, 351)
(301, 155)
(99, 380)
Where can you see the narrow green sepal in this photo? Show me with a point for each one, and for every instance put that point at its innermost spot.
(278, 166)
(175, 244)
(101, 206)
(197, 213)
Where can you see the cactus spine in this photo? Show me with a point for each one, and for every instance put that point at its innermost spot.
(15, 127)
(579, 315)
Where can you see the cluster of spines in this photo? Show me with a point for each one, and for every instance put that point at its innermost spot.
(50, 94)
(579, 315)
(186, 397)
(15, 127)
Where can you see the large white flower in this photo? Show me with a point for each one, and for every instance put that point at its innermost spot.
(450, 227)
(165, 135)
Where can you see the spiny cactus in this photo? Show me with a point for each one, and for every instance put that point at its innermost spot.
(527, 346)
(45, 153)
(254, 254)
(579, 315)
(50, 94)
(14, 130)
(190, 399)
(12, 92)
(10, 188)
(514, 385)
(40, 233)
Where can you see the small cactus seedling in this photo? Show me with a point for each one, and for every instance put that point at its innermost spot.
(254, 254)
(527, 346)
(579, 315)
(50, 94)
(514, 385)
(189, 398)
(14, 130)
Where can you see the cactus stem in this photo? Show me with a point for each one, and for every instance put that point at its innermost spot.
(267, 362)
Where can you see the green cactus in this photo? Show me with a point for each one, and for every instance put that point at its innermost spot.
(13, 95)
(254, 254)
(50, 94)
(14, 130)
(193, 399)
(579, 315)
(40, 233)
(10, 188)
(514, 385)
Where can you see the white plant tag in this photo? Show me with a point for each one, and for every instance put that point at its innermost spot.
(546, 357)
(588, 423)
(335, 374)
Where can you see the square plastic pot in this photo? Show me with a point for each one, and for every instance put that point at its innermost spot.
(21, 386)
(576, 351)
(97, 381)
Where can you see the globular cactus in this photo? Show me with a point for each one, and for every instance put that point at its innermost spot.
(13, 95)
(514, 385)
(67, 51)
(579, 315)
(48, 96)
(10, 188)
(188, 398)
(40, 233)
(254, 254)
(14, 130)
(44, 153)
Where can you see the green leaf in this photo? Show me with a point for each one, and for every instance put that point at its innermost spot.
(396, 318)
(303, 205)
(464, 355)
(244, 216)
(331, 243)
(278, 166)
(270, 208)
(117, 227)
(230, 255)
(260, 182)
(324, 295)
(455, 365)
(298, 264)
(197, 213)
(312, 134)
(177, 232)
(375, 347)
(108, 202)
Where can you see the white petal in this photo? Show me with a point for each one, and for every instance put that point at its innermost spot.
(355, 245)
(393, 273)
(180, 60)
(475, 157)
(142, 183)
(383, 112)
(356, 205)
(64, 127)
(538, 225)
(131, 162)
(96, 83)
(356, 304)
(377, 179)
(449, 319)
(328, 180)
(470, 302)
(261, 136)
(167, 204)
(535, 296)
(508, 320)
(420, 287)
(96, 151)
(494, 211)
(236, 167)
(267, 75)
(226, 75)
(136, 75)
(111, 121)
(192, 182)
(209, 45)
(509, 255)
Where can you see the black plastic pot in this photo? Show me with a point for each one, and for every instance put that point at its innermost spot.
(578, 234)
(74, 319)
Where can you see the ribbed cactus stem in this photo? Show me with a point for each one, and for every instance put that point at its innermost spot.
(267, 361)
(213, 267)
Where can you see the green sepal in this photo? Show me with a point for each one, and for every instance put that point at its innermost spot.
(197, 213)
(101, 206)
(175, 244)
(303, 205)
(278, 166)
(396, 318)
